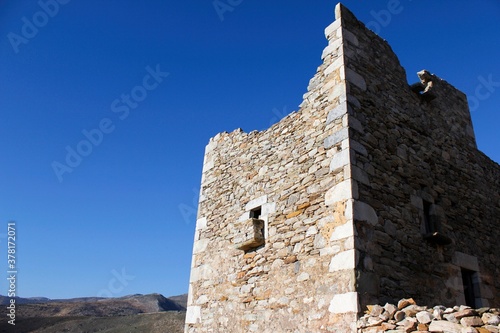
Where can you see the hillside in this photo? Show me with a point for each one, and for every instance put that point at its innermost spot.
(161, 322)
(133, 313)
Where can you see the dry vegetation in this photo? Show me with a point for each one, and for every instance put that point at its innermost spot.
(160, 322)
(138, 313)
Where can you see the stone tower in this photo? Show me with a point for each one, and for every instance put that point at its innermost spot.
(373, 191)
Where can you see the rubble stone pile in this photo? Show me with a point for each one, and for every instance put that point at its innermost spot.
(407, 317)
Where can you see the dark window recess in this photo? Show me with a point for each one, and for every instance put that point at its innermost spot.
(255, 213)
(432, 225)
(471, 292)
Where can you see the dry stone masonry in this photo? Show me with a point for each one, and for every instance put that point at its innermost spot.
(372, 191)
(407, 316)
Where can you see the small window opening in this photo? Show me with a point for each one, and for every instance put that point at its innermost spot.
(469, 280)
(430, 224)
(256, 213)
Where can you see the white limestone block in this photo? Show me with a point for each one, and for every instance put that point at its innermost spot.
(201, 223)
(339, 160)
(332, 47)
(337, 112)
(342, 231)
(339, 90)
(343, 260)
(195, 274)
(193, 315)
(208, 165)
(210, 146)
(337, 63)
(190, 295)
(341, 191)
(330, 30)
(268, 208)
(256, 202)
(342, 303)
(336, 137)
(200, 245)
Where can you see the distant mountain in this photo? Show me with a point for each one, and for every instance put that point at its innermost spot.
(180, 299)
(148, 303)
(4, 300)
(104, 307)
(92, 314)
(37, 300)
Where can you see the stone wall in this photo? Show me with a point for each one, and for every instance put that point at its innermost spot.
(303, 278)
(414, 153)
(300, 224)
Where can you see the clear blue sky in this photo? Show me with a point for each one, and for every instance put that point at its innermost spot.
(127, 208)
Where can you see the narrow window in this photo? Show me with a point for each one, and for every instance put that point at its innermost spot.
(256, 213)
(251, 235)
(430, 225)
(468, 279)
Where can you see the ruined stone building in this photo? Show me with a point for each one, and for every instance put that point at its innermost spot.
(374, 190)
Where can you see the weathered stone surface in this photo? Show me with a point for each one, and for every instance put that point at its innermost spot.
(471, 321)
(399, 316)
(336, 137)
(445, 326)
(469, 330)
(249, 234)
(490, 319)
(390, 309)
(424, 317)
(375, 310)
(403, 303)
(491, 328)
(465, 313)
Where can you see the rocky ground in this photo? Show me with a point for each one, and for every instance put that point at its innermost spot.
(409, 317)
